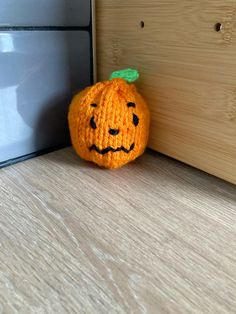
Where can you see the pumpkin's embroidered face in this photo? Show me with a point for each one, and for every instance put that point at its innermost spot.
(109, 123)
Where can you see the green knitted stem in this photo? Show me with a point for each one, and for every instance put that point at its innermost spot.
(129, 75)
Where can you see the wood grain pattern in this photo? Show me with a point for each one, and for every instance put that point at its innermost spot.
(154, 237)
(188, 73)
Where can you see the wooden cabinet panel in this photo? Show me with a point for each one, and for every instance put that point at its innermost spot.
(187, 64)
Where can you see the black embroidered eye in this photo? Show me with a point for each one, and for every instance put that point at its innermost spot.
(131, 104)
(92, 123)
(94, 105)
(135, 120)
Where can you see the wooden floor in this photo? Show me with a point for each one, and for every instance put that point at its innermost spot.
(153, 237)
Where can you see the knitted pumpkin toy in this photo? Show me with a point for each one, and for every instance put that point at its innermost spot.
(109, 122)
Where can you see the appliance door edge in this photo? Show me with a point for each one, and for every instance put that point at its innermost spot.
(93, 8)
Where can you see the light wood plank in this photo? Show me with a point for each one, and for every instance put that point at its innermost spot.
(153, 237)
(188, 73)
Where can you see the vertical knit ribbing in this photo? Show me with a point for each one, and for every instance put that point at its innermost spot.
(106, 103)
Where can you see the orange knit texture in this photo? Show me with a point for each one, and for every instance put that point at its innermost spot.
(109, 123)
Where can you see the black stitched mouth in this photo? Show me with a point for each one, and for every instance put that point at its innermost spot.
(111, 149)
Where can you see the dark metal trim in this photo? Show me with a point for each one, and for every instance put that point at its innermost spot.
(13, 161)
(45, 28)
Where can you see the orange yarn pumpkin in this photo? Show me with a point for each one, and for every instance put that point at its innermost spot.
(109, 123)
